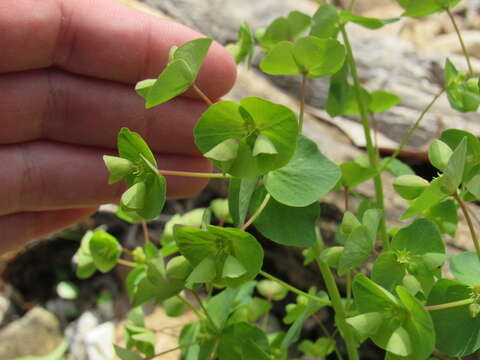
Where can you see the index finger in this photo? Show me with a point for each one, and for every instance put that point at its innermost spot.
(102, 39)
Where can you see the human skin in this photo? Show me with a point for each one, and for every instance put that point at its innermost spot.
(67, 73)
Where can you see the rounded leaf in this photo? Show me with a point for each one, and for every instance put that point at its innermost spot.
(246, 122)
(105, 250)
(410, 186)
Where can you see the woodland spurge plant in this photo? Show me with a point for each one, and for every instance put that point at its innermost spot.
(276, 177)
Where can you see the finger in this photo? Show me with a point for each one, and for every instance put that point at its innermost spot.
(18, 229)
(45, 176)
(80, 110)
(101, 39)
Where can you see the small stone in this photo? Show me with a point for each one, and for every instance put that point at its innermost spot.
(37, 333)
(99, 342)
(77, 333)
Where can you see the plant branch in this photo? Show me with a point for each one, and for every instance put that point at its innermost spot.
(462, 43)
(210, 320)
(412, 129)
(471, 227)
(146, 237)
(337, 305)
(325, 331)
(294, 289)
(127, 263)
(449, 305)
(195, 174)
(372, 153)
(257, 213)
(202, 95)
(303, 92)
(179, 347)
(191, 307)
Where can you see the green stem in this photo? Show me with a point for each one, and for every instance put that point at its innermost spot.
(372, 153)
(202, 95)
(337, 305)
(294, 289)
(303, 91)
(210, 320)
(460, 38)
(257, 213)
(146, 237)
(449, 305)
(127, 263)
(191, 307)
(471, 227)
(412, 129)
(179, 347)
(195, 174)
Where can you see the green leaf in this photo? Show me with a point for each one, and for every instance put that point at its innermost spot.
(399, 343)
(366, 324)
(422, 8)
(224, 151)
(357, 249)
(331, 255)
(245, 46)
(67, 290)
(118, 168)
(179, 74)
(125, 354)
(466, 268)
(134, 197)
(387, 271)
(465, 339)
(338, 91)
(429, 197)
(453, 138)
(174, 307)
(418, 325)
(383, 100)
(370, 297)
(305, 179)
(354, 173)
(351, 106)
(320, 348)
(242, 341)
(473, 186)
(217, 243)
(105, 250)
(293, 332)
(131, 146)
(240, 192)
(253, 116)
(85, 265)
(173, 81)
(463, 94)
(286, 225)
(233, 268)
(325, 22)
(410, 187)
(453, 173)
(418, 238)
(204, 272)
(143, 87)
(439, 154)
(298, 22)
(309, 56)
(220, 209)
(277, 31)
(263, 145)
(445, 215)
(271, 290)
(367, 22)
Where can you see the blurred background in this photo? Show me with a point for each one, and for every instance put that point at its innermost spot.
(44, 307)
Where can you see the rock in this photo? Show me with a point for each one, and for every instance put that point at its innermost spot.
(37, 333)
(5, 309)
(448, 43)
(99, 342)
(77, 333)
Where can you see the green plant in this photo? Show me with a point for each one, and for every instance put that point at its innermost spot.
(276, 178)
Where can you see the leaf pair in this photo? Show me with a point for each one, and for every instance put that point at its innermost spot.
(308, 56)
(220, 256)
(415, 8)
(283, 29)
(245, 47)
(414, 260)
(463, 92)
(247, 139)
(400, 325)
(146, 193)
(179, 75)
(98, 250)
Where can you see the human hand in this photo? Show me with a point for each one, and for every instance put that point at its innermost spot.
(67, 72)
